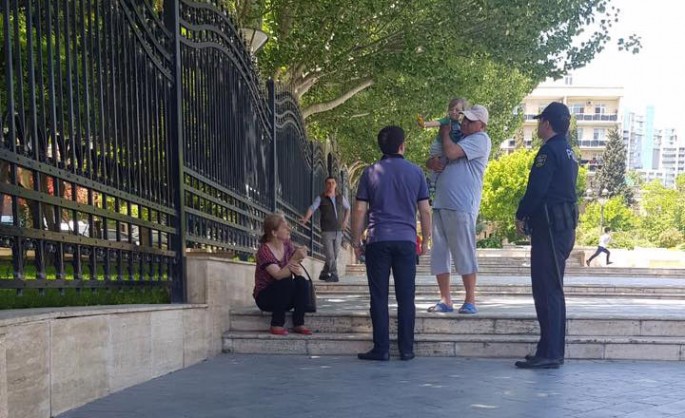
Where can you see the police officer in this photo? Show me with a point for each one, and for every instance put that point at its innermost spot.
(548, 212)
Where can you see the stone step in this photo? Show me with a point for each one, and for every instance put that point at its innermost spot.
(349, 322)
(654, 292)
(522, 270)
(450, 345)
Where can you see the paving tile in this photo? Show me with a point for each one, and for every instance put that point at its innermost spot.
(342, 386)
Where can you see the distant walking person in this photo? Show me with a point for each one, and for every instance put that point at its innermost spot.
(390, 191)
(604, 241)
(335, 214)
(549, 213)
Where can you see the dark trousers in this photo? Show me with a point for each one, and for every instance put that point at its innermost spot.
(284, 295)
(381, 258)
(548, 287)
(599, 251)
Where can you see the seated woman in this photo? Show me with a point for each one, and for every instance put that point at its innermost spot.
(279, 285)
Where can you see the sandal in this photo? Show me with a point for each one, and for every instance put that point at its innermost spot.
(468, 308)
(278, 331)
(302, 330)
(441, 307)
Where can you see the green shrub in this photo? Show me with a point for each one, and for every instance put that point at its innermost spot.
(32, 298)
(670, 238)
(493, 241)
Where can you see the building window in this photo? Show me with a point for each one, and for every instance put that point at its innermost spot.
(577, 109)
(568, 80)
(600, 109)
(579, 134)
(599, 134)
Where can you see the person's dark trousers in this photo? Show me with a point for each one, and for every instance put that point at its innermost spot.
(548, 289)
(599, 251)
(381, 258)
(282, 296)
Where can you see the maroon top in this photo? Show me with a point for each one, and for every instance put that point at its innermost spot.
(262, 278)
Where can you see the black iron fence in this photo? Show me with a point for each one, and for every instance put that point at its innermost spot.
(132, 130)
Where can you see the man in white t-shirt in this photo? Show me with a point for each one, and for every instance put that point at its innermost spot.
(604, 241)
(455, 208)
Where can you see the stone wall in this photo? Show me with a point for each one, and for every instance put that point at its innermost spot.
(56, 359)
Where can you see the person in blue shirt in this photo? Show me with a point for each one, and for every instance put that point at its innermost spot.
(549, 214)
(390, 191)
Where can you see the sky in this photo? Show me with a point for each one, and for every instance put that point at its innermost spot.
(655, 76)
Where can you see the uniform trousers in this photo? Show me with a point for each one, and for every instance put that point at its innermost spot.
(548, 287)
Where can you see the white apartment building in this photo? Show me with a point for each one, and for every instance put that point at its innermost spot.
(597, 110)
(668, 157)
(633, 136)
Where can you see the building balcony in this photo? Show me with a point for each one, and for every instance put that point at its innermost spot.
(594, 143)
(583, 117)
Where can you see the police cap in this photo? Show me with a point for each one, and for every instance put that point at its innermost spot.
(555, 112)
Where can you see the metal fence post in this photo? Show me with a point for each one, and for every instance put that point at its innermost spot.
(313, 196)
(274, 160)
(172, 21)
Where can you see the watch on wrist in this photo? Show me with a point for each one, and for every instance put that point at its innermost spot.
(356, 245)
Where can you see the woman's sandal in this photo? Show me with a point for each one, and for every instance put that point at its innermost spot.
(302, 330)
(278, 331)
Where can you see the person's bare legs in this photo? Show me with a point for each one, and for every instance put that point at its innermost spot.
(444, 286)
(469, 286)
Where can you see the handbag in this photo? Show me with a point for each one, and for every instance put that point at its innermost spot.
(310, 306)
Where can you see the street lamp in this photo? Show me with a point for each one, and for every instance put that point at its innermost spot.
(254, 38)
(602, 198)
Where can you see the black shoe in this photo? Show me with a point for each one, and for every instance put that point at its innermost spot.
(587, 263)
(610, 262)
(530, 357)
(324, 276)
(538, 363)
(372, 355)
(333, 278)
(407, 356)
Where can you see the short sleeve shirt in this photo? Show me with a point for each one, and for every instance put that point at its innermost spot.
(460, 185)
(392, 187)
(264, 259)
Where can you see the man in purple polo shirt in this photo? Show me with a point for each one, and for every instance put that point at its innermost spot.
(390, 191)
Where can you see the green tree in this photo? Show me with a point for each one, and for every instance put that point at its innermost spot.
(389, 60)
(663, 209)
(612, 175)
(504, 184)
(617, 215)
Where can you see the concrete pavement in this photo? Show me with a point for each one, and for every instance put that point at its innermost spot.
(300, 386)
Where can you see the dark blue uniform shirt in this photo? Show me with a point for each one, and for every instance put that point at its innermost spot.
(552, 178)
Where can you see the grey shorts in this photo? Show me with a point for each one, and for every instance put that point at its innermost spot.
(454, 238)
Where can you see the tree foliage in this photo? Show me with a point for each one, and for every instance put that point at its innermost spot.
(617, 215)
(612, 174)
(504, 184)
(388, 60)
(663, 210)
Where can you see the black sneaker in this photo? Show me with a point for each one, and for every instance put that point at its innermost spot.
(324, 276)
(333, 278)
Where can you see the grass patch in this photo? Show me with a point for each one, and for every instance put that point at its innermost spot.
(33, 298)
